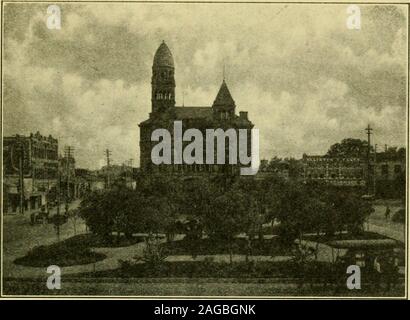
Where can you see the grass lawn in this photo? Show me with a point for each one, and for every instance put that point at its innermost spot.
(72, 251)
(184, 287)
(212, 269)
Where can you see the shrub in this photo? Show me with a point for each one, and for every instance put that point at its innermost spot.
(154, 254)
(399, 216)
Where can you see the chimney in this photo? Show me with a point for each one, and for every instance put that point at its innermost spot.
(243, 115)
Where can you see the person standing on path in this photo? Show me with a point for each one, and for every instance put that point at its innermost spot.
(387, 213)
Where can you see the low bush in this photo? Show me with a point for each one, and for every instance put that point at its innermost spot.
(399, 216)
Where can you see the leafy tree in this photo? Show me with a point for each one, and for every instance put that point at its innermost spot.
(73, 216)
(123, 210)
(228, 217)
(271, 191)
(350, 148)
(352, 211)
(293, 213)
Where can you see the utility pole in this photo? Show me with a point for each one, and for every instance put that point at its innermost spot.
(374, 169)
(20, 151)
(369, 133)
(108, 154)
(68, 155)
(57, 219)
(130, 161)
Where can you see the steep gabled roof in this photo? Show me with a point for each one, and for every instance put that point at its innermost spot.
(224, 97)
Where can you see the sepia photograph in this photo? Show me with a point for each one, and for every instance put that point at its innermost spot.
(205, 150)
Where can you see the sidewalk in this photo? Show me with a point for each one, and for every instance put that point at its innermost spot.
(388, 228)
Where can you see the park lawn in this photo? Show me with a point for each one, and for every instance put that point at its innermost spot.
(213, 269)
(183, 287)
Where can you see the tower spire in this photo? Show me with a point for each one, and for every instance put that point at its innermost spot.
(223, 71)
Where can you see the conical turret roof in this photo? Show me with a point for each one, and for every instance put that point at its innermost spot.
(224, 97)
(163, 57)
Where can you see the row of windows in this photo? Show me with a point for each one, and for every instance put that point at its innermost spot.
(334, 176)
(163, 96)
(43, 153)
(195, 168)
(224, 115)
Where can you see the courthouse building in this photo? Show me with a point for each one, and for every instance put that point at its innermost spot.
(222, 114)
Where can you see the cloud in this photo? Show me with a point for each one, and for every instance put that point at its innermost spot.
(306, 80)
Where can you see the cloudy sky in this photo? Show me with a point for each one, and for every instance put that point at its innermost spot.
(306, 79)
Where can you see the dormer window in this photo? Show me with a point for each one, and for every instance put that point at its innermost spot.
(224, 115)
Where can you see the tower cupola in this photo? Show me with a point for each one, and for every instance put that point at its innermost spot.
(163, 81)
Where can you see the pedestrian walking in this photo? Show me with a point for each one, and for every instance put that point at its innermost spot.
(377, 272)
(387, 213)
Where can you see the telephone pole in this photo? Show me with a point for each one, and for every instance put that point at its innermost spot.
(374, 169)
(20, 151)
(369, 133)
(130, 161)
(108, 154)
(68, 155)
